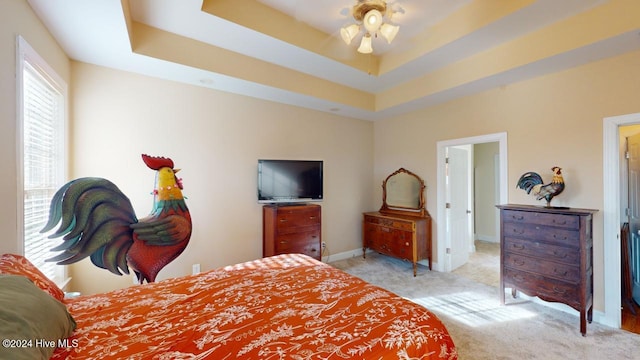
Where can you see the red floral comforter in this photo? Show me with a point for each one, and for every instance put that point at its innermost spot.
(283, 307)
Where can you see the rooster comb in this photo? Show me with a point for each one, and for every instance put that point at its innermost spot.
(157, 162)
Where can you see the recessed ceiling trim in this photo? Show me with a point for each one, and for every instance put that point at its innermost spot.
(170, 47)
(254, 15)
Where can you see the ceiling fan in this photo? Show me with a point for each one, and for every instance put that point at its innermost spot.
(375, 17)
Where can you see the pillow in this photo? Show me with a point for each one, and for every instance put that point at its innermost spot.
(12, 264)
(31, 321)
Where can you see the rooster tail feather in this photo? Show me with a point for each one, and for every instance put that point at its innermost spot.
(528, 181)
(96, 258)
(100, 203)
(55, 209)
(110, 251)
(62, 258)
(94, 217)
(72, 194)
(98, 214)
(68, 243)
(99, 239)
(121, 258)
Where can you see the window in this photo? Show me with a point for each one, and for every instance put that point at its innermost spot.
(41, 151)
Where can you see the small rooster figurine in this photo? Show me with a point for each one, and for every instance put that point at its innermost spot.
(98, 221)
(532, 183)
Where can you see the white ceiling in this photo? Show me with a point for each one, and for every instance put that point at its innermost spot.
(97, 32)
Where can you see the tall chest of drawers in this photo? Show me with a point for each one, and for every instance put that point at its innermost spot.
(292, 229)
(401, 236)
(548, 253)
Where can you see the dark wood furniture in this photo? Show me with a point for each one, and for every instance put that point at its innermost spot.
(402, 226)
(292, 229)
(403, 237)
(548, 252)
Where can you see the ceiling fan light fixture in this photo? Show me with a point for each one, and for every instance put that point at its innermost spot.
(372, 20)
(365, 44)
(389, 32)
(371, 15)
(349, 32)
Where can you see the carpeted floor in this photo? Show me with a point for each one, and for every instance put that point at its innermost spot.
(483, 265)
(482, 328)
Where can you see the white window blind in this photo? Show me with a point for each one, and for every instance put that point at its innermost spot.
(43, 158)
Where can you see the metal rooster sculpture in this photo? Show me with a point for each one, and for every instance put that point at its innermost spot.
(98, 221)
(532, 183)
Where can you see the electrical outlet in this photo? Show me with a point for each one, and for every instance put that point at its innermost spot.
(324, 245)
(195, 268)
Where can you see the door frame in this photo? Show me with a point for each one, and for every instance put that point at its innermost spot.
(611, 216)
(442, 241)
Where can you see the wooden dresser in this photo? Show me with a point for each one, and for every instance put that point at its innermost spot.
(548, 253)
(401, 236)
(291, 229)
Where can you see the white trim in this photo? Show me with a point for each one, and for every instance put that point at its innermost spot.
(444, 259)
(611, 216)
(344, 255)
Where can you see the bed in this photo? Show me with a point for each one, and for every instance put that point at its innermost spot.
(282, 307)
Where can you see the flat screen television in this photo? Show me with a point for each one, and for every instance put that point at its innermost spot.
(289, 181)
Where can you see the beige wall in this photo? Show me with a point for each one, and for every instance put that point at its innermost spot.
(551, 120)
(485, 195)
(216, 139)
(17, 18)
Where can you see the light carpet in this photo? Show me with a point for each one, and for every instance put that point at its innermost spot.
(482, 328)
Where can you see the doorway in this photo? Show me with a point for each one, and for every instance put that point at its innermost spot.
(612, 215)
(444, 243)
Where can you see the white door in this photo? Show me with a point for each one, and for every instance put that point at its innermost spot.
(459, 206)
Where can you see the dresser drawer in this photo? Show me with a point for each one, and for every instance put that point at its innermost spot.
(534, 248)
(560, 236)
(287, 243)
(556, 220)
(391, 223)
(396, 249)
(546, 288)
(553, 269)
(287, 219)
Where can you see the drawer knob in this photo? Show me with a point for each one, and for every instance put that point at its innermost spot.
(560, 272)
(559, 237)
(517, 217)
(406, 244)
(312, 217)
(518, 246)
(560, 255)
(518, 262)
(518, 231)
(559, 290)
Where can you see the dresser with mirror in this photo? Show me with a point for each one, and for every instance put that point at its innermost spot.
(402, 226)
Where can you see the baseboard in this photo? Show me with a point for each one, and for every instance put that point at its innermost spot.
(344, 255)
(358, 253)
(487, 238)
